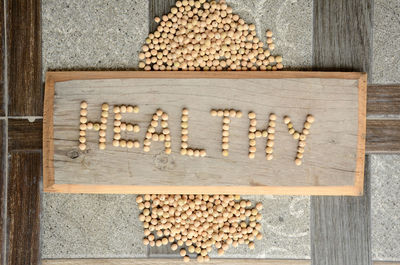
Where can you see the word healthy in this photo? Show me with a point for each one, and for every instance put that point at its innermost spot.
(161, 118)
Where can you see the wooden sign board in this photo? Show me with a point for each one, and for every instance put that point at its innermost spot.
(332, 162)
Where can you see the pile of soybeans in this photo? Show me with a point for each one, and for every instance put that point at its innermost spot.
(194, 36)
(202, 35)
(196, 223)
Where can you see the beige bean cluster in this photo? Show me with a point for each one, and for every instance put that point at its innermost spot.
(300, 136)
(86, 125)
(270, 136)
(196, 223)
(120, 126)
(269, 133)
(203, 35)
(83, 126)
(226, 115)
(151, 135)
(185, 149)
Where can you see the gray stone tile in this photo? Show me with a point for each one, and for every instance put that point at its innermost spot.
(385, 208)
(291, 22)
(91, 226)
(385, 169)
(93, 34)
(386, 42)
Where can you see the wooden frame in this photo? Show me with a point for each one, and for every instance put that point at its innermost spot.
(153, 261)
(48, 146)
(174, 261)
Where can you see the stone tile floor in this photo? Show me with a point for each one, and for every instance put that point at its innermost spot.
(385, 169)
(386, 42)
(290, 20)
(105, 225)
(84, 225)
(385, 208)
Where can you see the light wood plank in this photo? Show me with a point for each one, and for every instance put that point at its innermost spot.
(90, 75)
(380, 102)
(316, 97)
(170, 262)
(340, 226)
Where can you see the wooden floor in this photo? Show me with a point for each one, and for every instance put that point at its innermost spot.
(340, 226)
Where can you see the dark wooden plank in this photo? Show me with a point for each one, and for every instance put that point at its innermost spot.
(3, 176)
(158, 8)
(340, 226)
(24, 135)
(23, 208)
(342, 35)
(2, 51)
(383, 100)
(340, 230)
(24, 58)
(163, 252)
(383, 136)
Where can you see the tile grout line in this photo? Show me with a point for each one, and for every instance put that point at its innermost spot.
(5, 158)
(383, 117)
(29, 118)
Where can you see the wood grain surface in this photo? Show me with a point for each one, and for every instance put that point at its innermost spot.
(316, 98)
(383, 113)
(24, 135)
(387, 94)
(340, 229)
(163, 251)
(91, 75)
(24, 89)
(158, 8)
(341, 226)
(383, 136)
(23, 208)
(383, 100)
(24, 58)
(3, 175)
(2, 54)
(342, 35)
(170, 262)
